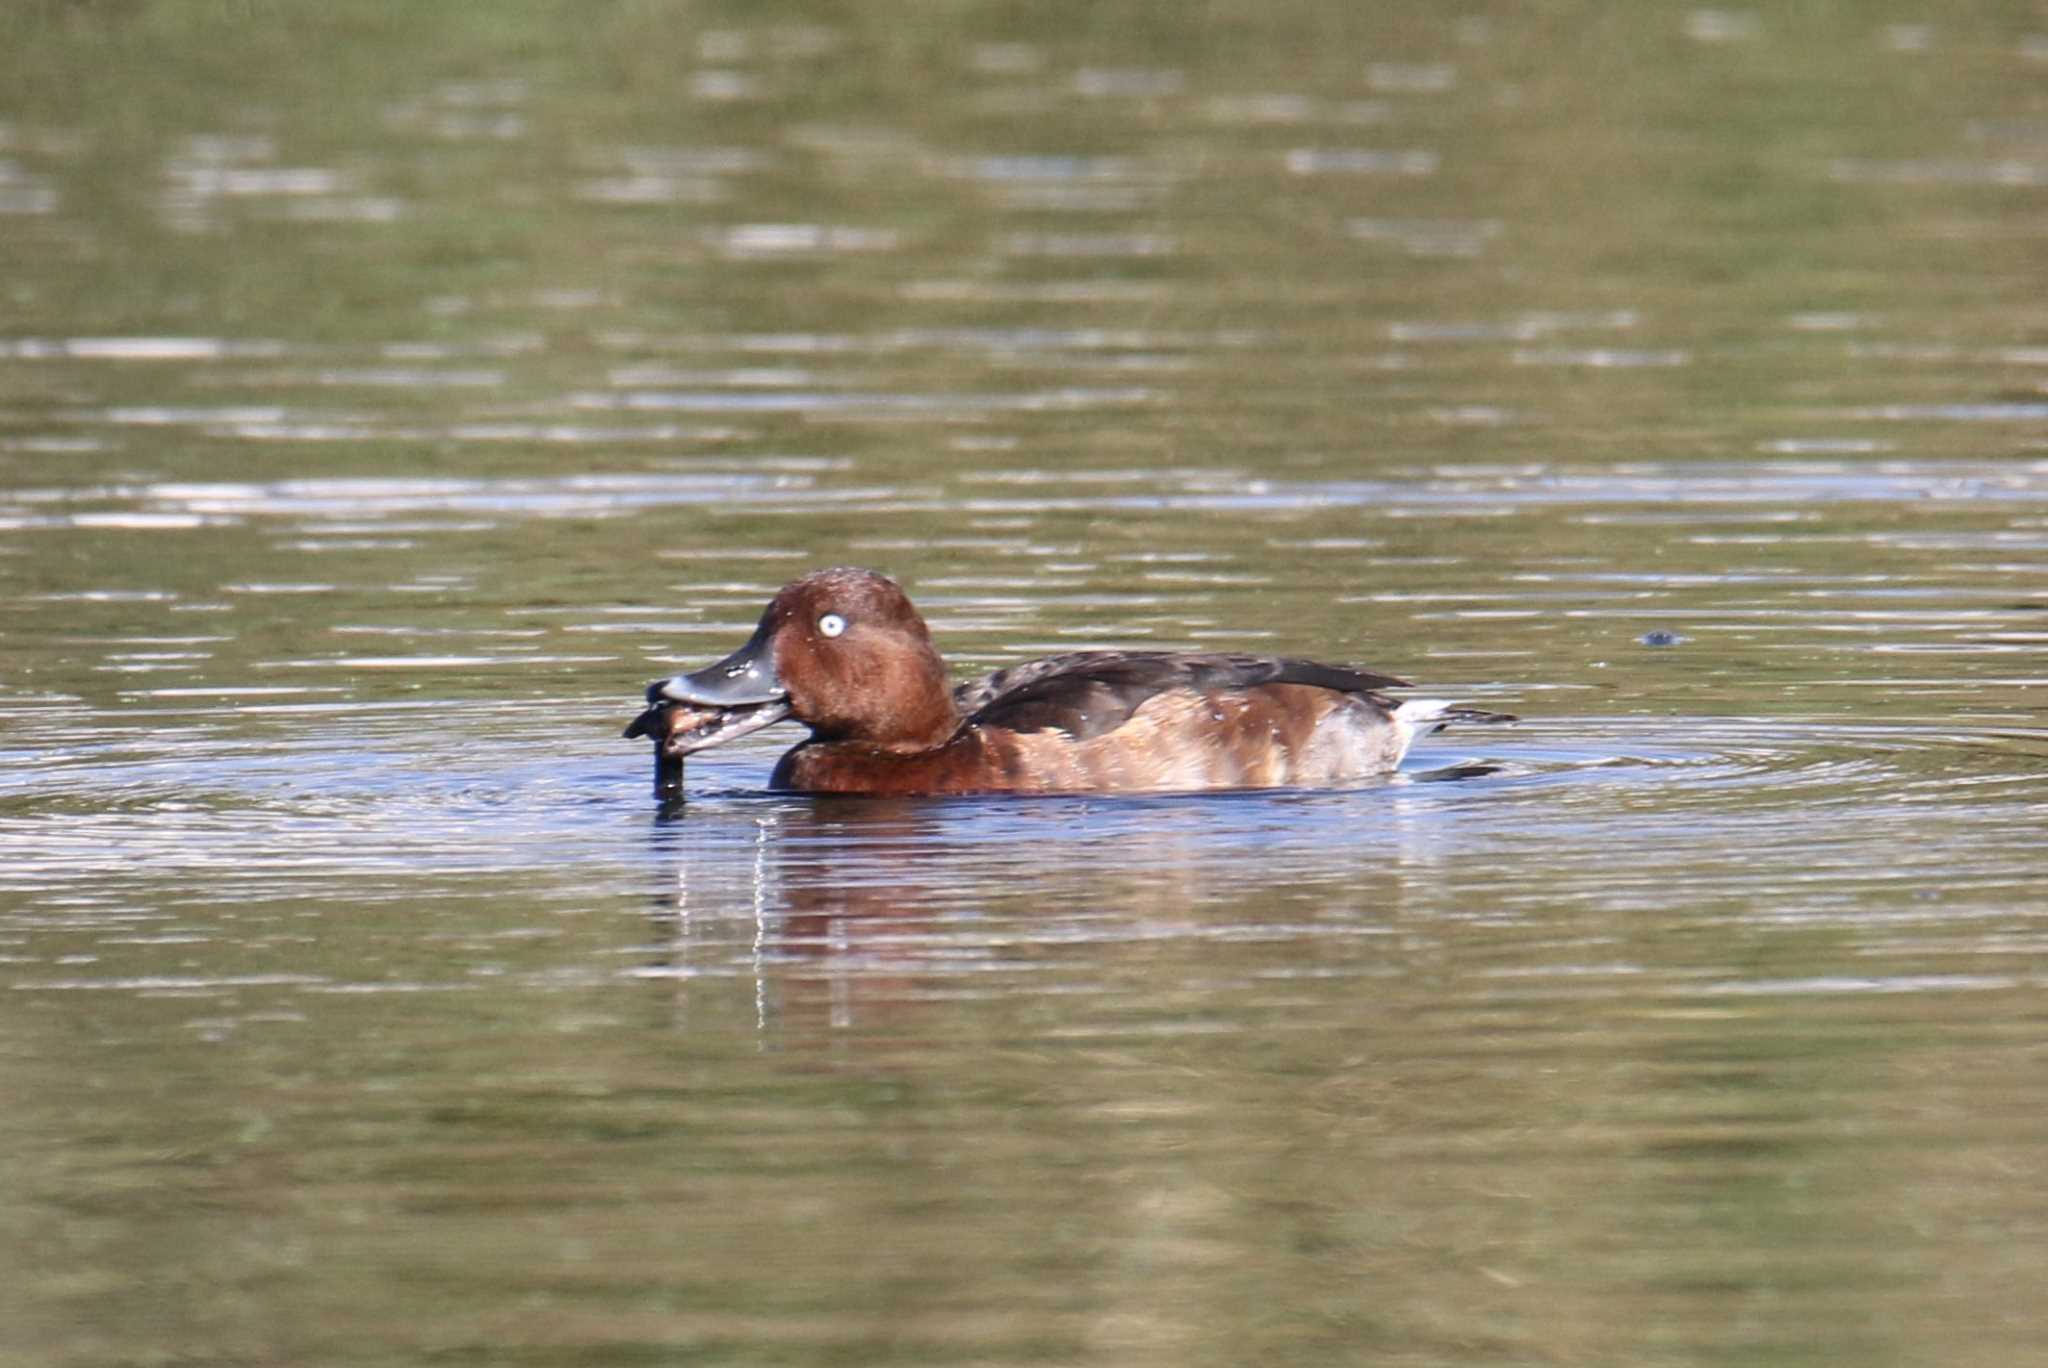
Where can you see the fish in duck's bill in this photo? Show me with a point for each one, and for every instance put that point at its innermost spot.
(844, 652)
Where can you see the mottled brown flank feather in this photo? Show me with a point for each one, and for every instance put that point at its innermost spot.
(1088, 693)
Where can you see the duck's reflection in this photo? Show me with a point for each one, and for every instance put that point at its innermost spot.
(837, 909)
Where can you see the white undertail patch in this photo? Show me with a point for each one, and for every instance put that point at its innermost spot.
(1418, 717)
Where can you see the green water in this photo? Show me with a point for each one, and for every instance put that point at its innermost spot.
(387, 392)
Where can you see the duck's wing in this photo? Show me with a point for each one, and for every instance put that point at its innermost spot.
(1088, 693)
(975, 694)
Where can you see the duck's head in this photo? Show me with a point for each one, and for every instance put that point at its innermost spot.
(842, 651)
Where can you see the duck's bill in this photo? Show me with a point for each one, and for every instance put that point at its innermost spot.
(736, 697)
(678, 729)
(745, 677)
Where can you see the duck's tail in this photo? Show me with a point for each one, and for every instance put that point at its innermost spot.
(1420, 716)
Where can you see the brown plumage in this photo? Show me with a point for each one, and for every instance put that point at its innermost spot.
(844, 652)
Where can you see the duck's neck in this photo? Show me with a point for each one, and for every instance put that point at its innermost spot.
(923, 717)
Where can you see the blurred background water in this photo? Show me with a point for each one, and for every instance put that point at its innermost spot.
(388, 391)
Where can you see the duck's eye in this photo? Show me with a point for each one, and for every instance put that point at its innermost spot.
(831, 625)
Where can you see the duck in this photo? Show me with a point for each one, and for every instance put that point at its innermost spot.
(844, 652)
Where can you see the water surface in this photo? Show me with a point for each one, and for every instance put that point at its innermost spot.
(385, 397)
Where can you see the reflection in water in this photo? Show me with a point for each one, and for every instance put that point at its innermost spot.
(367, 436)
(856, 904)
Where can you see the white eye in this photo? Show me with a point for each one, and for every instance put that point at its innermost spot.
(831, 625)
